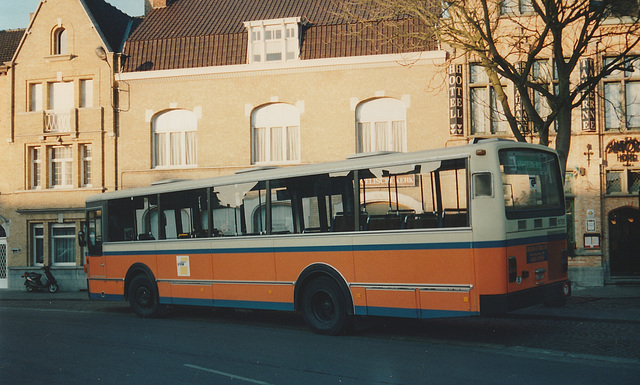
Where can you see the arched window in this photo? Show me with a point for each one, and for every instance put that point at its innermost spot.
(60, 42)
(381, 125)
(174, 139)
(275, 133)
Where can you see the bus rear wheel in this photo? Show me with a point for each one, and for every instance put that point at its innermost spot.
(143, 297)
(324, 307)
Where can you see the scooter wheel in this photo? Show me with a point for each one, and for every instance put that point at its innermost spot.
(53, 287)
(29, 288)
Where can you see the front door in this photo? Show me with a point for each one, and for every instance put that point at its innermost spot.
(624, 242)
(4, 279)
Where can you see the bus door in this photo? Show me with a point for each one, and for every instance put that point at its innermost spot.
(95, 266)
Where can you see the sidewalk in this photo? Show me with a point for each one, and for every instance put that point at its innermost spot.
(619, 303)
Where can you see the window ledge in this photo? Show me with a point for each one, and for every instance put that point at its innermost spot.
(616, 20)
(54, 58)
(179, 167)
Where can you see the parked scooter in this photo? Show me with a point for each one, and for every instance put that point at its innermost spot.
(33, 282)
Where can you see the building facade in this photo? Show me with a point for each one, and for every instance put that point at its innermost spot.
(59, 143)
(97, 101)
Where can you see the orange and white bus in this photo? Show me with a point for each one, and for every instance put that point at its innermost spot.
(467, 230)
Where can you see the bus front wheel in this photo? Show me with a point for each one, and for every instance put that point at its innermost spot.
(143, 297)
(324, 306)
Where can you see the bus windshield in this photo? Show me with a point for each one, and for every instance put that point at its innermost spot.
(531, 183)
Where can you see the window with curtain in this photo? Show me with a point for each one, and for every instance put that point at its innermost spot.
(61, 167)
(275, 135)
(486, 112)
(622, 97)
(175, 139)
(63, 244)
(381, 125)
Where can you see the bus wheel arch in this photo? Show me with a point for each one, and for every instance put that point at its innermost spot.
(324, 298)
(141, 291)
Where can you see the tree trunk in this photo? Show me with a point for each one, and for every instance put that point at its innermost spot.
(563, 138)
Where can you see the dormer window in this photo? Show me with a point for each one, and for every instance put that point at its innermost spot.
(60, 42)
(275, 40)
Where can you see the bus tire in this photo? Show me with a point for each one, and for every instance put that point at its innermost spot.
(143, 297)
(324, 306)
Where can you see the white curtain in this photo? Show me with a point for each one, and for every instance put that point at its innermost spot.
(398, 133)
(259, 144)
(612, 105)
(276, 144)
(175, 134)
(293, 143)
(190, 147)
(633, 105)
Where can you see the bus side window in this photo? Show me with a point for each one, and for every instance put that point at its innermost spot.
(121, 220)
(228, 207)
(146, 216)
(182, 214)
(482, 184)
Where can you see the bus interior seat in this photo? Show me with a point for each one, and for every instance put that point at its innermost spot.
(421, 221)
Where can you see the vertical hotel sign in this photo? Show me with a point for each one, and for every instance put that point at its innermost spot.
(588, 108)
(522, 118)
(455, 100)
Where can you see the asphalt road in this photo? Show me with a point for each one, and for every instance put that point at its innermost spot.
(107, 344)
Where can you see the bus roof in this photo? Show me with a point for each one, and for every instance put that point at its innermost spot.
(356, 162)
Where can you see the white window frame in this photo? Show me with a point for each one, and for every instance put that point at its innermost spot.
(381, 125)
(544, 72)
(622, 108)
(86, 158)
(275, 134)
(70, 238)
(625, 182)
(37, 241)
(516, 7)
(273, 41)
(35, 158)
(175, 139)
(86, 93)
(35, 97)
(61, 104)
(60, 41)
(486, 114)
(61, 167)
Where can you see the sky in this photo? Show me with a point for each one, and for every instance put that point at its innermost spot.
(14, 14)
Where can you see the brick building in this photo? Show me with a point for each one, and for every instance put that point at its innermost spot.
(201, 88)
(58, 139)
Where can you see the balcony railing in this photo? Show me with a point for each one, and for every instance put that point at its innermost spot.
(57, 121)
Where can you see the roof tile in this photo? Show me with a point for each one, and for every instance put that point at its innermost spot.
(9, 41)
(199, 33)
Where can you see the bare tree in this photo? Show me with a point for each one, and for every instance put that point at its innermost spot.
(508, 37)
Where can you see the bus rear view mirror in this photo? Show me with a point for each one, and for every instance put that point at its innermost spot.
(82, 238)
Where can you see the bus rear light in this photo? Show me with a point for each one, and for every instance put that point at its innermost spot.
(513, 269)
(566, 289)
(565, 261)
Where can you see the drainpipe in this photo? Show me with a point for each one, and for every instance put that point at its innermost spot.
(13, 101)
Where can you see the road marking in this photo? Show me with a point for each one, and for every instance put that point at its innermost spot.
(233, 376)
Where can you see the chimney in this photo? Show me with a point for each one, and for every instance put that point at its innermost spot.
(153, 4)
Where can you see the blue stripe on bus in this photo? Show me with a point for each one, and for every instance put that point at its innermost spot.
(256, 305)
(106, 297)
(410, 313)
(369, 247)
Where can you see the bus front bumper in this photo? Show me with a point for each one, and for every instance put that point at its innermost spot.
(553, 294)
